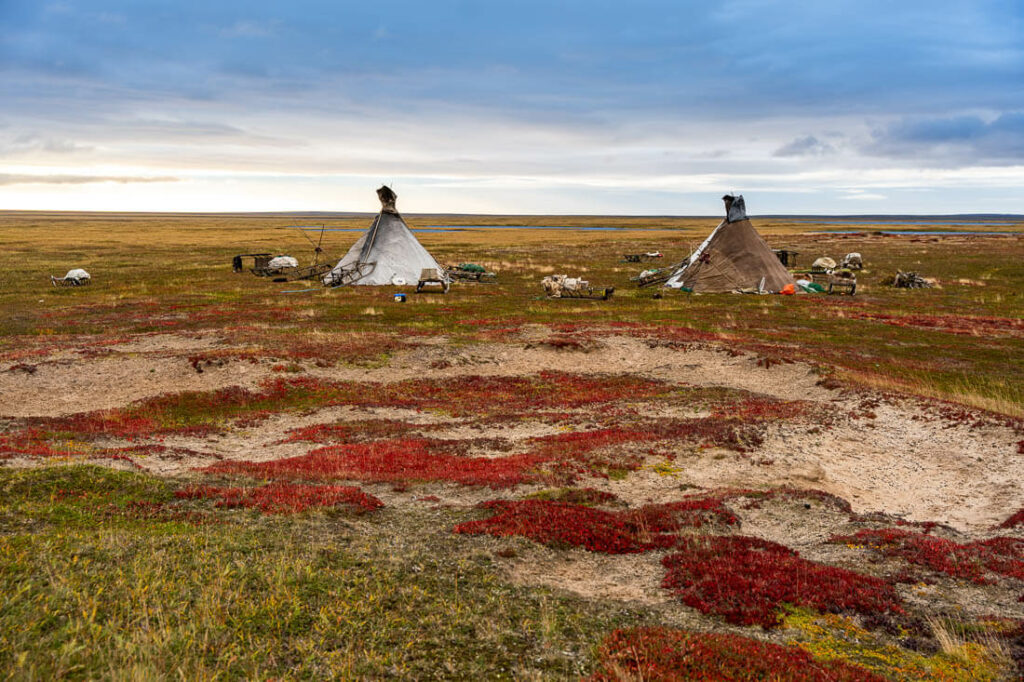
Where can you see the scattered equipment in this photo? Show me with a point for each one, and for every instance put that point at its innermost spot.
(260, 261)
(655, 275)
(733, 257)
(823, 265)
(908, 280)
(282, 262)
(842, 281)
(853, 261)
(470, 272)
(831, 278)
(433, 277)
(386, 254)
(809, 287)
(267, 265)
(641, 257)
(75, 278)
(786, 257)
(317, 269)
(563, 286)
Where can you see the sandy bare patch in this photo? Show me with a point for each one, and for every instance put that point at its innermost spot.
(902, 461)
(625, 577)
(70, 386)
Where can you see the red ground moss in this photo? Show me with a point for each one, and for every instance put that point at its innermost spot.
(659, 654)
(709, 432)
(560, 524)
(391, 461)
(1016, 519)
(23, 367)
(285, 498)
(34, 442)
(1002, 555)
(745, 580)
(763, 408)
(556, 459)
(357, 431)
(493, 322)
(950, 324)
(573, 453)
(199, 413)
(29, 442)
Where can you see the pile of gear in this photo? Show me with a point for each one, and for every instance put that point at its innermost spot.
(75, 278)
(641, 257)
(909, 280)
(563, 286)
(852, 261)
(826, 276)
(470, 272)
(654, 276)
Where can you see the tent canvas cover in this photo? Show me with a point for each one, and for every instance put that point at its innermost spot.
(388, 253)
(732, 257)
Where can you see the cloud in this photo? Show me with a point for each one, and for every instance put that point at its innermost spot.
(185, 128)
(805, 146)
(650, 97)
(247, 29)
(954, 139)
(59, 8)
(26, 179)
(859, 194)
(34, 142)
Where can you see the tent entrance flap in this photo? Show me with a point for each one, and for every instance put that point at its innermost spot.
(371, 237)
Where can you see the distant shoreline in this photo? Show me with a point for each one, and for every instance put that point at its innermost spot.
(801, 217)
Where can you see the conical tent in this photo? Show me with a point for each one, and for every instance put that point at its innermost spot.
(388, 253)
(732, 257)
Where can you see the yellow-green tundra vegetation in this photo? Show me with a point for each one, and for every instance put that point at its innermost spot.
(293, 517)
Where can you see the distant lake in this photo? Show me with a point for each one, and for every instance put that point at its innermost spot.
(912, 233)
(916, 221)
(445, 228)
(530, 227)
(349, 229)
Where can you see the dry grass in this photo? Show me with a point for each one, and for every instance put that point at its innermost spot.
(105, 574)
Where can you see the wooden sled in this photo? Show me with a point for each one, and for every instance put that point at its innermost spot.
(432, 277)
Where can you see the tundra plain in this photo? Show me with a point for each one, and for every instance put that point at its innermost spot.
(207, 474)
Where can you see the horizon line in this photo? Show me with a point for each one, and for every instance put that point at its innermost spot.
(773, 216)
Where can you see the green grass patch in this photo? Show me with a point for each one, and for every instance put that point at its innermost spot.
(307, 597)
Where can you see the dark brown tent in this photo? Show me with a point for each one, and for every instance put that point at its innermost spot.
(732, 257)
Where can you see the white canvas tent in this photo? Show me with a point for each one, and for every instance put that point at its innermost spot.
(733, 257)
(388, 253)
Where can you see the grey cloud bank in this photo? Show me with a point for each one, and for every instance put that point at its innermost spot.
(623, 108)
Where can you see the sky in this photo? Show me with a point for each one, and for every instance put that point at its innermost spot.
(640, 108)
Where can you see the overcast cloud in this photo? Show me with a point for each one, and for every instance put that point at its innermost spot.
(642, 107)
